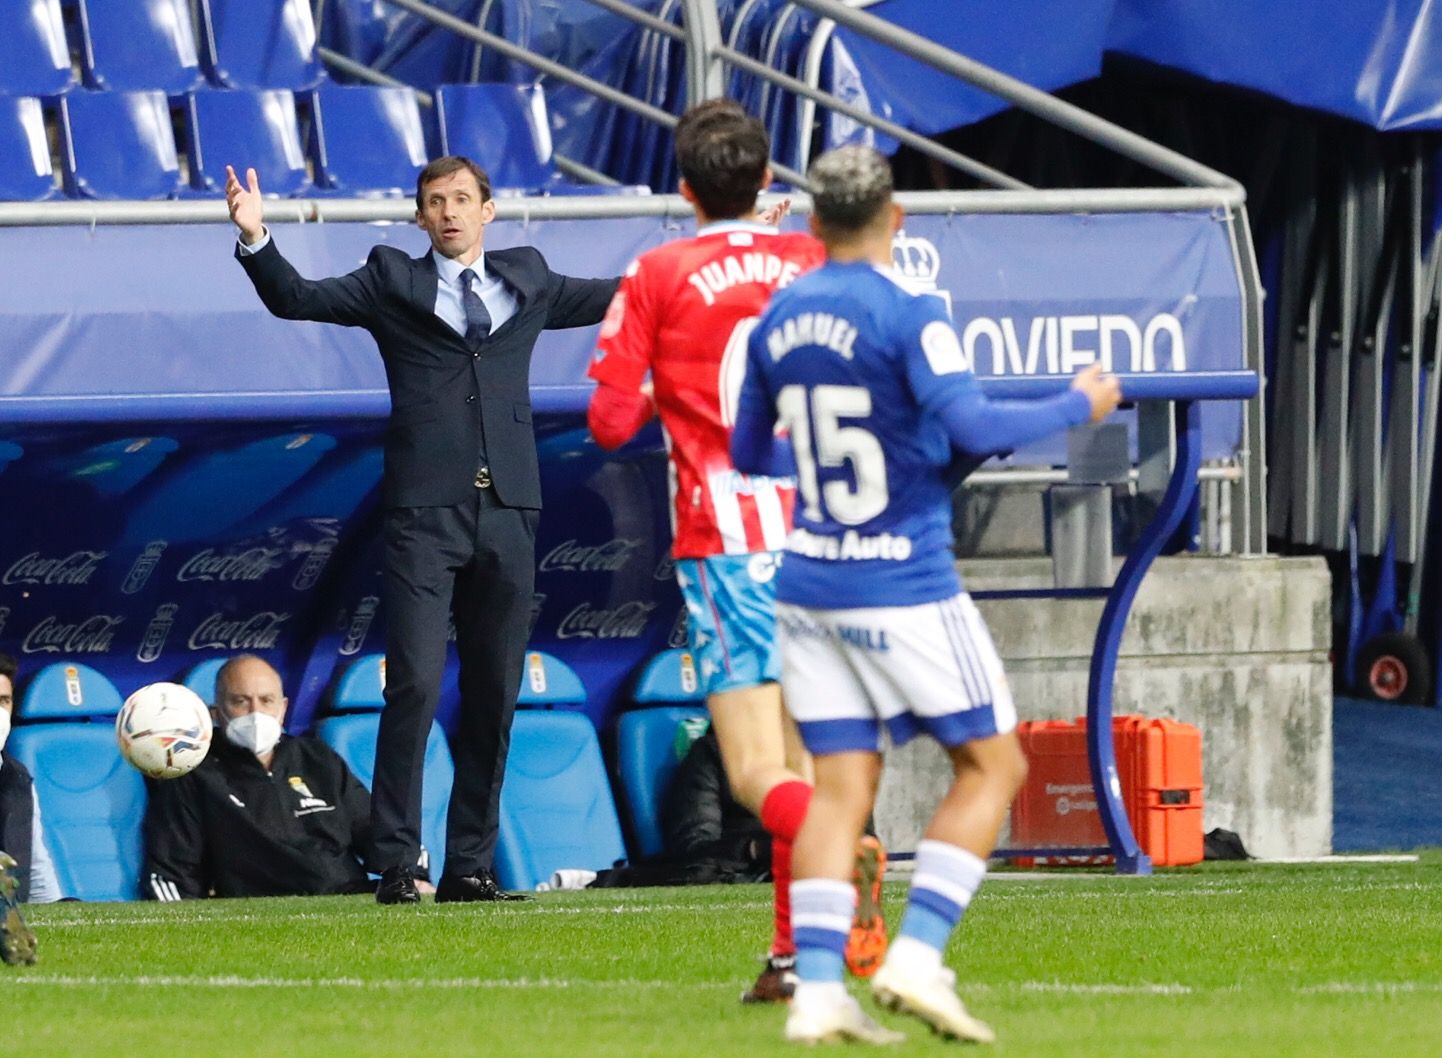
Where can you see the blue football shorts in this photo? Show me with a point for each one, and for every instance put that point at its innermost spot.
(731, 618)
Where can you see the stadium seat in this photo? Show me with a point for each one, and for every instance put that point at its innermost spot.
(359, 696)
(505, 129)
(91, 800)
(34, 55)
(650, 745)
(670, 677)
(556, 804)
(245, 129)
(201, 678)
(366, 139)
(547, 681)
(26, 174)
(260, 44)
(138, 45)
(118, 145)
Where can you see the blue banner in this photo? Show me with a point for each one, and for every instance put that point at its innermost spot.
(146, 543)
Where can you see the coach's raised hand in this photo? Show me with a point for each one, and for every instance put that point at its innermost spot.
(245, 205)
(1104, 391)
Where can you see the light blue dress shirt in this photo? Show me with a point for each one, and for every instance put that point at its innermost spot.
(498, 298)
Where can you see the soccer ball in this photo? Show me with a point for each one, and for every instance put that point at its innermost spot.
(164, 730)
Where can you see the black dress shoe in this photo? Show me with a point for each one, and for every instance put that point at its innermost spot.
(479, 886)
(398, 886)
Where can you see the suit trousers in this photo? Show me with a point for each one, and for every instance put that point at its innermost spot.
(474, 563)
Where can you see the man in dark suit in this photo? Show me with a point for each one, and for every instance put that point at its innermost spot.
(461, 490)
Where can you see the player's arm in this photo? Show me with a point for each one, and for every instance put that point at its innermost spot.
(754, 449)
(348, 300)
(977, 425)
(622, 404)
(174, 833)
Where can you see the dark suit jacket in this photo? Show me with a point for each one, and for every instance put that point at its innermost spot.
(445, 394)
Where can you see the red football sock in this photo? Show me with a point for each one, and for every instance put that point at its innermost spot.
(782, 814)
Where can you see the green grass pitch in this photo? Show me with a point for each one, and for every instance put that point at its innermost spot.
(1234, 960)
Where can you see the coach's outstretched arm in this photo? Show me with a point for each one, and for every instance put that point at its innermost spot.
(348, 300)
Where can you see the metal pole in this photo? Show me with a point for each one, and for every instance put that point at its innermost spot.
(704, 77)
(980, 170)
(1020, 94)
(212, 211)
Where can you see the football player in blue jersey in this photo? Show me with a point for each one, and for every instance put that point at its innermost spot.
(876, 632)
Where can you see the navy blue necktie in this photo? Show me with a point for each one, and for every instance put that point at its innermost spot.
(478, 320)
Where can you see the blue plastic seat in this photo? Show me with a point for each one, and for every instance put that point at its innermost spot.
(260, 44)
(548, 681)
(92, 801)
(136, 45)
(26, 174)
(34, 55)
(201, 678)
(360, 694)
(650, 745)
(247, 130)
(118, 145)
(669, 677)
(556, 805)
(503, 128)
(367, 139)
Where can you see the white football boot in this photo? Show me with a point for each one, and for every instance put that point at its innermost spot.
(827, 1013)
(913, 981)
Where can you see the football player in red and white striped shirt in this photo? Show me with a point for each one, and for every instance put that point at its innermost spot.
(682, 316)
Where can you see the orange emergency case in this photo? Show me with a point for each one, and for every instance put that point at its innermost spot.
(1159, 763)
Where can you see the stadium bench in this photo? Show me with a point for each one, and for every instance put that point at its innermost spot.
(34, 55)
(259, 44)
(247, 129)
(138, 45)
(547, 681)
(118, 145)
(26, 174)
(366, 139)
(91, 801)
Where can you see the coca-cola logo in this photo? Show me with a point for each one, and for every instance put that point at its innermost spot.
(249, 565)
(90, 636)
(573, 557)
(75, 568)
(259, 631)
(626, 621)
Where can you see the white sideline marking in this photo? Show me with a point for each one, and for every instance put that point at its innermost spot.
(1345, 858)
(1371, 988)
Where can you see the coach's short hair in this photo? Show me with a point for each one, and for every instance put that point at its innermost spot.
(849, 187)
(444, 167)
(723, 152)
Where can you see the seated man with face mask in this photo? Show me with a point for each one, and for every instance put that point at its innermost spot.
(265, 814)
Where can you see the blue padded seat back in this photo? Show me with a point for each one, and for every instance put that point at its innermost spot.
(260, 44)
(556, 804)
(354, 737)
(547, 680)
(650, 745)
(68, 690)
(129, 45)
(256, 130)
(367, 139)
(118, 145)
(669, 677)
(91, 803)
(34, 55)
(26, 173)
(363, 687)
(504, 128)
(201, 678)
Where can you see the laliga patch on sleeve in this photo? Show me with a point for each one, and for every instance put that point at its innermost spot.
(615, 315)
(943, 351)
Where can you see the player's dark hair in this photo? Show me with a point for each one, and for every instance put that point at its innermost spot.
(850, 186)
(444, 167)
(9, 667)
(722, 152)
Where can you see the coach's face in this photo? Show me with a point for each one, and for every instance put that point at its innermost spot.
(455, 214)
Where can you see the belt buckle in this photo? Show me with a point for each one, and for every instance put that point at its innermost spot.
(483, 478)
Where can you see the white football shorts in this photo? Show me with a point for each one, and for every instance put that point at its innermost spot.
(930, 668)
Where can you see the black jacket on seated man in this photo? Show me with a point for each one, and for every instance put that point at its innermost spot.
(230, 828)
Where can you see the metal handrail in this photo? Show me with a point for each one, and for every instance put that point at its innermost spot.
(1024, 96)
(528, 208)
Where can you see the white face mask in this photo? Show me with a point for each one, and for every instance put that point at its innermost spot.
(4, 727)
(257, 732)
